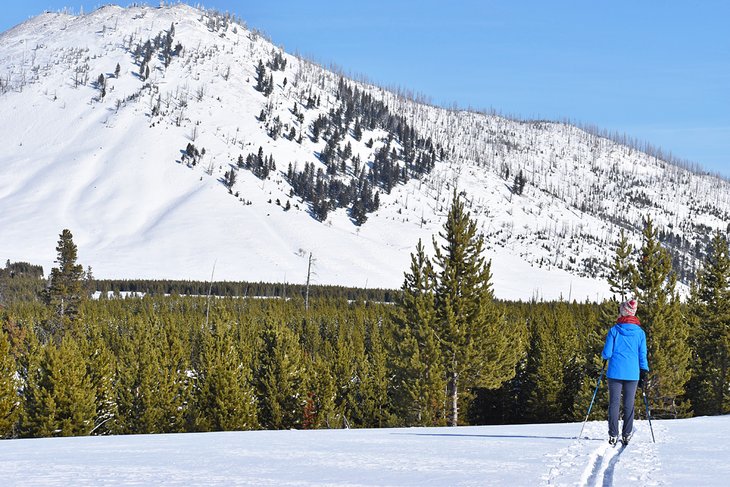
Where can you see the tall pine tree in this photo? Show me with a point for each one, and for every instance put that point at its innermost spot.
(666, 329)
(419, 380)
(66, 288)
(478, 348)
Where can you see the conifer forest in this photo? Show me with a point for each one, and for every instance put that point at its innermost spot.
(441, 350)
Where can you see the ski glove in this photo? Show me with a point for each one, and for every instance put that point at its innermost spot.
(642, 378)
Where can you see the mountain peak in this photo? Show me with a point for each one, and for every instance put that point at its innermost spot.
(210, 144)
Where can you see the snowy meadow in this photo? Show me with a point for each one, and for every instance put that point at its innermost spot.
(687, 452)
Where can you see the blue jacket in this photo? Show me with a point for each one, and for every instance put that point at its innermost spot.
(625, 349)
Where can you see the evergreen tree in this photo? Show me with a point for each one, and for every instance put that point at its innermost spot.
(10, 405)
(622, 279)
(551, 365)
(357, 131)
(518, 185)
(269, 89)
(261, 79)
(229, 179)
(60, 399)
(133, 379)
(709, 388)
(349, 372)
(478, 348)
(321, 409)
(66, 286)
(666, 329)
(279, 379)
(101, 85)
(172, 385)
(594, 326)
(225, 399)
(101, 369)
(153, 388)
(419, 379)
(377, 400)
(622, 275)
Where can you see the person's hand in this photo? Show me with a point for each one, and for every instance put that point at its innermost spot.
(642, 377)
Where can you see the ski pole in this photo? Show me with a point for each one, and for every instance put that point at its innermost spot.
(648, 414)
(593, 399)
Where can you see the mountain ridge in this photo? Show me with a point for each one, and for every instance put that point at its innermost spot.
(116, 168)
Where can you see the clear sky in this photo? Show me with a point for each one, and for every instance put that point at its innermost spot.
(656, 70)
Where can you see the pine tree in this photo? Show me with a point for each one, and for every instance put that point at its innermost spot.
(138, 381)
(551, 363)
(357, 131)
(101, 85)
(478, 348)
(518, 185)
(592, 338)
(60, 397)
(225, 399)
(376, 400)
(66, 286)
(709, 387)
(321, 409)
(666, 329)
(172, 387)
(419, 380)
(348, 371)
(622, 271)
(101, 369)
(269, 88)
(229, 179)
(10, 405)
(280, 379)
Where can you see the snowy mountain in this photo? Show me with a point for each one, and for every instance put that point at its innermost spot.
(686, 452)
(210, 147)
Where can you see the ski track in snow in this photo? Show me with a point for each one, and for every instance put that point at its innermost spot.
(586, 463)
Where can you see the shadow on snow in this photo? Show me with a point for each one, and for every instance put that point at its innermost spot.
(529, 437)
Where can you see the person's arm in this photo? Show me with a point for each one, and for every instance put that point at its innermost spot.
(608, 347)
(643, 361)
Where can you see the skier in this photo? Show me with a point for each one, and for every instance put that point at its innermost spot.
(625, 349)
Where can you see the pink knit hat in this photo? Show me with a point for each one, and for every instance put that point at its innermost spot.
(628, 308)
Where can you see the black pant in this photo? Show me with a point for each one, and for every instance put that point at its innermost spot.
(615, 388)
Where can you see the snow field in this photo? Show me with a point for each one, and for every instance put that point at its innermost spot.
(687, 452)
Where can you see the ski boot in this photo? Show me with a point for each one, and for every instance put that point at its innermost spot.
(626, 438)
(612, 440)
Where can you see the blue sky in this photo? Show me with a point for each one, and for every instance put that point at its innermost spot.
(658, 71)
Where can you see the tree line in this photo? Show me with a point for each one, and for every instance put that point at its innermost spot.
(241, 289)
(446, 353)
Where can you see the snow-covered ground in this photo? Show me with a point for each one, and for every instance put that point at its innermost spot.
(689, 452)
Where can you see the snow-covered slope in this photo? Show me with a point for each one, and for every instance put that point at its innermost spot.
(686, 452)
(112, 169)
